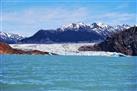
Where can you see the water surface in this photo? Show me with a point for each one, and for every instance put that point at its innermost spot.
(67, 73)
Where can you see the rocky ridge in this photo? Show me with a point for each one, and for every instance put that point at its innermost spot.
(124, 42)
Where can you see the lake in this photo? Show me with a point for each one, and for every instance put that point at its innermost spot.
(67, 73)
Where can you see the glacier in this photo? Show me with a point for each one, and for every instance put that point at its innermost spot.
(65, 49)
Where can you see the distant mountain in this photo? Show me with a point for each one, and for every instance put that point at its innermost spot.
(100, 28)
(53, 36)
(124, 42)
(9, 37)
(75, 32)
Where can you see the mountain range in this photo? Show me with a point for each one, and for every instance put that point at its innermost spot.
(75, 32)
(100, 28)
(10, 37)
(71, 33)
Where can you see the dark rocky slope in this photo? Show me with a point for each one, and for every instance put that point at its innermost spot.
(54, 36)
(124, 42)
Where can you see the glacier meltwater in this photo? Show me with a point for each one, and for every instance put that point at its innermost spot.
(67, 73)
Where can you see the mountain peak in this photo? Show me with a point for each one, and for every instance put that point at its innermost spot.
(94, 25)
(101, 28)
(102, 25)
(123, 26)
(73, 26)
(126, 26)
(9, 37)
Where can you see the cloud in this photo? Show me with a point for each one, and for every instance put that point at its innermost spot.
(115, 18)
(28, 21)
(31, 16)
(34, 19)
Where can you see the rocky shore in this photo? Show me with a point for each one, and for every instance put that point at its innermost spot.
(6, 49)
(123, 42)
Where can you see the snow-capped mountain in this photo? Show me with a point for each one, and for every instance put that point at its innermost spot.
(9, 37)
(75, 32)
(100, 28)
(74, 26)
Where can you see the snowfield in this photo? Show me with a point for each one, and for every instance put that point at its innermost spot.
(65, 49)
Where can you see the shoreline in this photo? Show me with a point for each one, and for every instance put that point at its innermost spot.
(69, 49)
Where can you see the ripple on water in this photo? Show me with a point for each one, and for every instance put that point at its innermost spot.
(67, 73)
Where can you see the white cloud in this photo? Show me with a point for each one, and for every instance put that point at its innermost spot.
(118, 18)
(31, 16)
(34, 19)
(30, 20)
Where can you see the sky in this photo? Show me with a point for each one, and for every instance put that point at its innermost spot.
(25, 17)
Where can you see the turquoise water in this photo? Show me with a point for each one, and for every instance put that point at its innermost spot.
(67, 73)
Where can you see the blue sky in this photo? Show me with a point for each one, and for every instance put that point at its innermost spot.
(26, 17)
